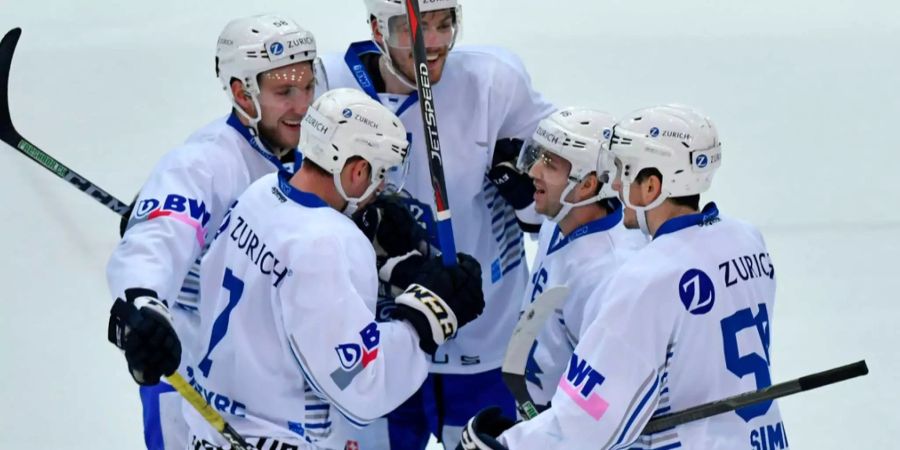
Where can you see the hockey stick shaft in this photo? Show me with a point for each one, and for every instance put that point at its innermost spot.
(214, 418)
(801, 384)
(11, 136)
(432, 139)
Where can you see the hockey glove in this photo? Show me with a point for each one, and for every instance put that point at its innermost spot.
(142, 327)
(481, 432)
(515, 187)
(441, 300)
(390, 226)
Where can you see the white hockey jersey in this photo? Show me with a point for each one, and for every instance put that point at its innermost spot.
(684, 322)
(285, 287)
(177, 211)
(583, 261)
(484, 95)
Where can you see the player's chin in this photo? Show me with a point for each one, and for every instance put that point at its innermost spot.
(436, 69)
(288, 134)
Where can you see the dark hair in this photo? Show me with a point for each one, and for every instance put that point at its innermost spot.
(689, 201)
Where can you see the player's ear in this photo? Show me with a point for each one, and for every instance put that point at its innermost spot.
(376, 33)
(242, 97)
(650, 189)
(588, 187)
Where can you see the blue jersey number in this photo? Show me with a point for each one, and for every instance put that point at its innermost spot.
(752, 363)
(539, 279)
(235, 288)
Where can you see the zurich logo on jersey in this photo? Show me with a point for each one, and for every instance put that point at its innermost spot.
(697, 292)
(276, 49)
(701, 161)
(348, 113)
(607, 133)
(354, 357)
(654, 132)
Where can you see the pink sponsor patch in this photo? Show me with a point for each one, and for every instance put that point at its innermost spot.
(594, 405)
(183, 218)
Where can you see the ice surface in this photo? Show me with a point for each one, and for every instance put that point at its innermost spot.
(804, 94)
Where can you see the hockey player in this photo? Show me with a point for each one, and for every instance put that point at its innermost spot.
(289, 288)
(582, 243)
(485, 103)
(265, 66)
(684, 322)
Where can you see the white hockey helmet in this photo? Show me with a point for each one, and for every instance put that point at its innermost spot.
(385, 10)
(577, 135)
(252, 45)
(678, 141)
(344, 123)
(388, 13)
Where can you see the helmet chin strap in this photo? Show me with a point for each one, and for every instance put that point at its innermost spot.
(567, 206)
(352, 202)
(254, 126)
(388, 63)
(642, 211)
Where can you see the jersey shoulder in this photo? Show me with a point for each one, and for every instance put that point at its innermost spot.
(211, 148)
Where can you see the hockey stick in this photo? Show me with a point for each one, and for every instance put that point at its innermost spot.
(526, 332)
(432, 140)
(801, 384)
(215, 419)
(532, 321)
(11, 136)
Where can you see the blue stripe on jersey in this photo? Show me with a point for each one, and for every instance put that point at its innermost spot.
(354, 63)
(505, 228)
(312, 382)
(234, 122)
(188, 290)
(319, 406)
(670, 447)
(306, 199)
(709, 215)
(314, 426)
(636, 413)
(605, 223)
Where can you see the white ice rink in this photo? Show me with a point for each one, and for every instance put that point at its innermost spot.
(804, 93)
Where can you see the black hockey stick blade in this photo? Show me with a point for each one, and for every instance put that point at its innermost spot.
(11, 136)
(7, 47)
(801, 384)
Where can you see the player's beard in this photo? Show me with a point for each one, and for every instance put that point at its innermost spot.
(404, 61)
(275, 138)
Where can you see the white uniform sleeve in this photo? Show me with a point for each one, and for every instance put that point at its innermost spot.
(520, 107)
(365, 369)
(550, 358)
(611, 385)
(167, 229)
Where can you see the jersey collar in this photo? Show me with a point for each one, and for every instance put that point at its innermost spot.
(306, 199)
(709, 215)
(356, 66)
(242, 129)
(605, 223)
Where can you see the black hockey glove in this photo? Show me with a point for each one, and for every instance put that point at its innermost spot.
(515, 187)
(390, 226)
(142, 327)
(441, 299)
(481, 432)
